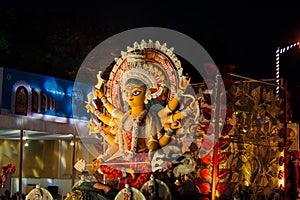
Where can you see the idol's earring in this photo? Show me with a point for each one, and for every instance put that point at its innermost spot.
(147, 96)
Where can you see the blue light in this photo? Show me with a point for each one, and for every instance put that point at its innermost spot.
(69, 90)
(53, 89)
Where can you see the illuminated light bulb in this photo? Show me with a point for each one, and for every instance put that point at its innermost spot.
(26, 144)
(72, 143)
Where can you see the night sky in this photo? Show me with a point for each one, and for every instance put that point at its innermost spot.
(245, 36)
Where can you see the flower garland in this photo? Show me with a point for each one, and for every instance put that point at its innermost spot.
(136, 120)
(9, 169)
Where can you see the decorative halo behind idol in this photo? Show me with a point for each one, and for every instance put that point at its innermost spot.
(152, 63)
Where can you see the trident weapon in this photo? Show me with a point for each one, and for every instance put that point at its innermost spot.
(115, 163)
(81, 164)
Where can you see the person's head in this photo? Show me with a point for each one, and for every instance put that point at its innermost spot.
(7, 193)
(139, 89)
(134, 92)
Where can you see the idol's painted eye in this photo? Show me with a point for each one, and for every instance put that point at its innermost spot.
(136, 93)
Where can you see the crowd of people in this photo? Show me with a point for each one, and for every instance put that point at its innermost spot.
(7, 196)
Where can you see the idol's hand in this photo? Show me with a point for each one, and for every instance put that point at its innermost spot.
(94, 129)
(194, 105)
(99, 93)
(90, 108)
(80, 165)
(130, 171)
(96, 164)
(175, 125)
(184, 83)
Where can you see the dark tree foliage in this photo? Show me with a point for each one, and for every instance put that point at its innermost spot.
(53, 44)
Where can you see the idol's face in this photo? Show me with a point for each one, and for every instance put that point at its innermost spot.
(135, 95)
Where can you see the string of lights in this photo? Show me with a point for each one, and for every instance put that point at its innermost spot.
(279, 51)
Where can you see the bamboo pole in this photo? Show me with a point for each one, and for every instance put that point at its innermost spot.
(21, 164)
(73, 160)
(216, 120)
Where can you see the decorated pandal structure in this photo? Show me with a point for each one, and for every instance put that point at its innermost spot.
(169, 134)
(169, 138)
